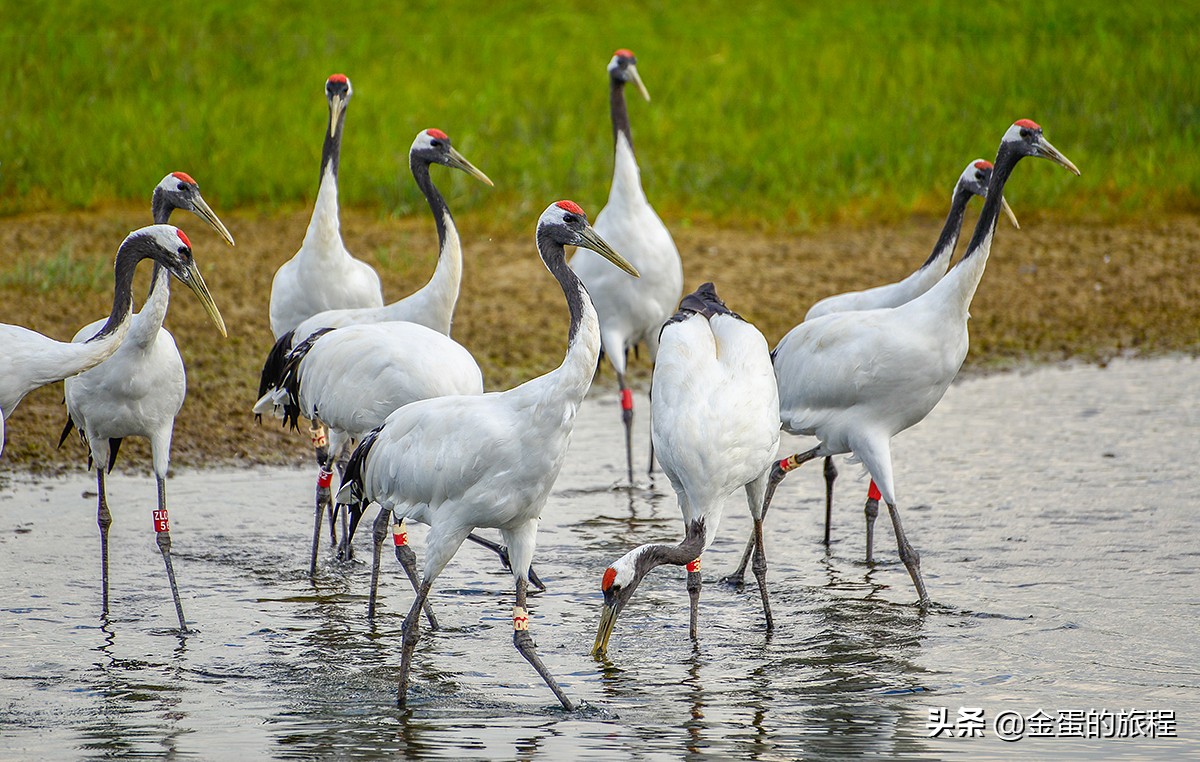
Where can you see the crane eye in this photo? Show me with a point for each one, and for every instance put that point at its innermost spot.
(978, 175)
(183, 186)
(1025, 132)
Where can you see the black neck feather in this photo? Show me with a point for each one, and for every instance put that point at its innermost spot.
(132, 251)
(677, 555)
(161, 208)
(573, 289)
(953, 224)
(437, 204)
(1006, 161)
(620, 113)
(332, 151)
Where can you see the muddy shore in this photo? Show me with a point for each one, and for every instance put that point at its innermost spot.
(1053, 291)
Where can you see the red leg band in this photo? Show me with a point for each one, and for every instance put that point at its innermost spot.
(627, 399)
(324, 479)
(161, 522)
(400, 534)
(694, 566)
(873, 492)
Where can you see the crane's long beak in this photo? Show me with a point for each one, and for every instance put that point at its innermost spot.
(608, 619)
(1048, 151)
(195, 281)
(202, 210)
(458, 161)
(337, 104)
(592, 240)
(637, 80)
(1009, 212)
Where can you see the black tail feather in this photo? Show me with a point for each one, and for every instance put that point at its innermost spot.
(289, 378)
(66, 432)
(272, 370)
(114, 446)
(353, 478)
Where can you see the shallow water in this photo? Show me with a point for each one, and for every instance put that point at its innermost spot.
(1054, 510)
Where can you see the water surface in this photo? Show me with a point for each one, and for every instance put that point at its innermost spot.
(1055, 511)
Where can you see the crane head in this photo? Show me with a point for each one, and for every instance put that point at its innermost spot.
(337, 92)
(169, 246)
(1025, 137)
(618, 584)
(566, 224)
(975, 180)
(432, 146)
(623, 69)
(179, 191)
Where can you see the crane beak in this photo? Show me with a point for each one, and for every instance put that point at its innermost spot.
(458, 161)
(337, 104)
(204, 212)
(1047, 151)
(590, 239)
(637, 80)
(195, 281)
(1009, 212)
(608, 620)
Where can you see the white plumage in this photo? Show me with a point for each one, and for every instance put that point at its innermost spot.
(630, 311)
(457, 463)
(855, 379)
(715, 424)
(323, 275)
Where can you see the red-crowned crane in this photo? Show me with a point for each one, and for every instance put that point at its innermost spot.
(458, 463)
(631, 311)
(715, 423)
(856, 379)
(140, 389)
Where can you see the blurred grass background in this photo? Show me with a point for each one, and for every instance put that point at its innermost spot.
(775, 115)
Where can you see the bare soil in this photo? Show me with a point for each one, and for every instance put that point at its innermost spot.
(1054, 290)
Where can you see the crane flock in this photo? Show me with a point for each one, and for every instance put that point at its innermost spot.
(398, 409)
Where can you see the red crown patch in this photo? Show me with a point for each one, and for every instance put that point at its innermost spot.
(184, 176)
(983, 164)
(571, 207)
(610, 575)
(433, 133)
(1029, 123)
(183, 237)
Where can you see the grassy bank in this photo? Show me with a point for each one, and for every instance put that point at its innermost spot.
(770, 114)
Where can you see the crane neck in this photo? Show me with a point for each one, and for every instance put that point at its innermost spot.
(660, 554)
(620, 112)
(951, 229)
(131, 252)
(437, 204)
(957, 289)
(331, 152)
(583, 336)
(161, 208)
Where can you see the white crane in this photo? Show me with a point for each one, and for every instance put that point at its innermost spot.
(458, 463)
(630, 311)
(140, 389)
(29, 359)
(972, 182)
(352, 378)
(322, 275)
(431, 306)
(715, 423)
(856, 379)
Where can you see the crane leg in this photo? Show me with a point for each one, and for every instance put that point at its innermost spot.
(378, 532)
(831, 474)
(778, 472)
(162, 528)
(104, 521)
(694, 583)
(871, 511)
(502, 551)
(910, 556)
(627, 418)
(412, 633)
(650, 396)
(760, 572)
(320, 442)
(316, 542)
(408, 561)
(346, 549)
(525, 646)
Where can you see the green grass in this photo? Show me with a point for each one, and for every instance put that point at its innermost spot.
(775, 114)
(62, 270)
